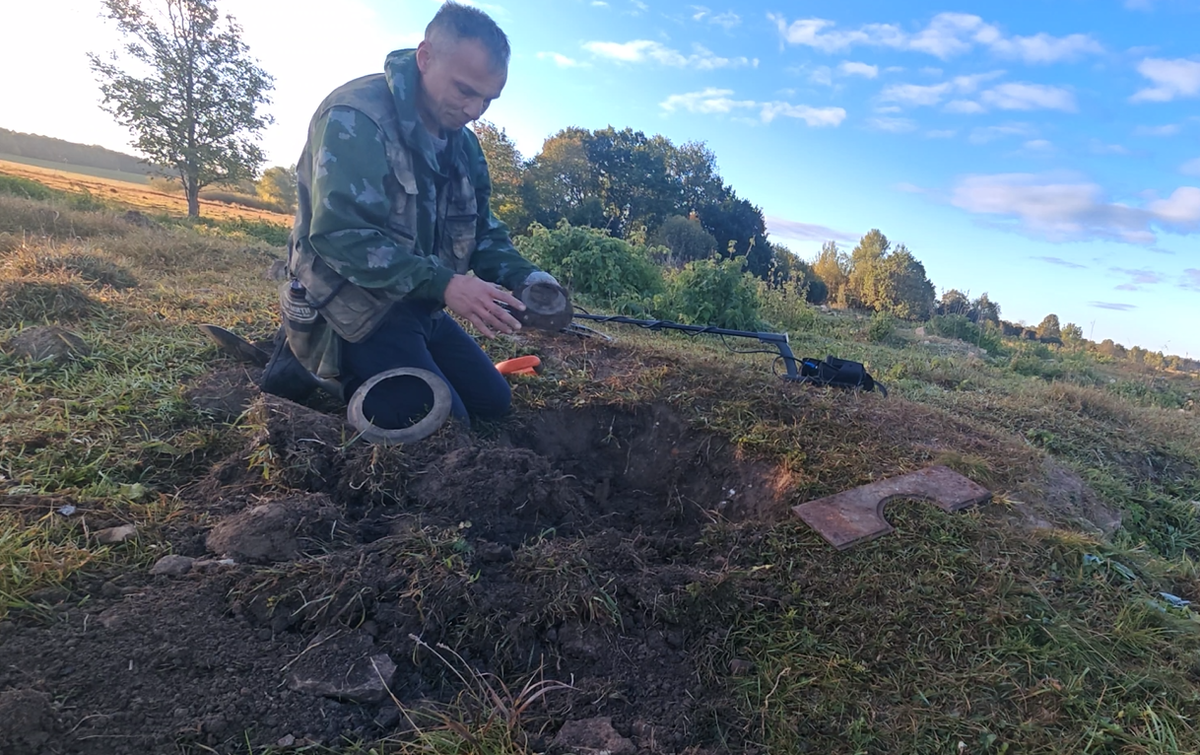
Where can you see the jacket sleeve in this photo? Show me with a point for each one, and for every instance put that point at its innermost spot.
(353, 194)
(495, 258)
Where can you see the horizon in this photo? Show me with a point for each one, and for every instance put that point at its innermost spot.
(1044, 156)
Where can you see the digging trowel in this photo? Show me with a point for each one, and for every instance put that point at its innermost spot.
(244, 351)
(236, 346)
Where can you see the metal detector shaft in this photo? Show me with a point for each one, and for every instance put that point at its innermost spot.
(778, 340)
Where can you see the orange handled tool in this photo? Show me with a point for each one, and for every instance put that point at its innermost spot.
(528, 365)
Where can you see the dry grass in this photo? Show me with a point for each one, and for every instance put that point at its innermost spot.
(136, 196)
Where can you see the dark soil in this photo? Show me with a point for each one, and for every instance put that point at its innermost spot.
(572, 545)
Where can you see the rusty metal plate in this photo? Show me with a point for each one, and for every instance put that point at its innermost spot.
(855, 516)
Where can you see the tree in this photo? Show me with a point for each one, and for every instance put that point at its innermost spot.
(1072, 335)
(796, 276)
(278, 186)
(560, 184)
(1049, 329)
(686, 238)
(192, 93)
(954, 302)
(830, 266)
(1109, 348)
(864, 269)
(985, 310)
(507, 169)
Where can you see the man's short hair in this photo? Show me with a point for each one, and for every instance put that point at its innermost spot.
(458, 22)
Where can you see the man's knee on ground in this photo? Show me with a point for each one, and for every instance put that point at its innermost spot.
(492, 400)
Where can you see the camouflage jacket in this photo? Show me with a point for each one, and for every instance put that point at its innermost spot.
(382, 216)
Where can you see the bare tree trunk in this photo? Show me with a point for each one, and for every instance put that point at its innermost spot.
(192, 190)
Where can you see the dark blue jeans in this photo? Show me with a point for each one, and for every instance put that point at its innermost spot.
(418, 334)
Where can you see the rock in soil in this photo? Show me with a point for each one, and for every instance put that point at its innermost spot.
(27, 722)
(277, 531)
(592, 736)
(115, 535)
(172, 566)
(47, 342)
(344, 667)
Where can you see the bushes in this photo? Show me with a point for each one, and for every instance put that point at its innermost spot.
(711, 293)
(621, 276)
(882, 325)
(781, 308)
(593, 264)
(958, 326)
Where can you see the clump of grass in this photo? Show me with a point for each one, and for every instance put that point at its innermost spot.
(35, 302)
(91, 268)
(487, 717)
(41, 549)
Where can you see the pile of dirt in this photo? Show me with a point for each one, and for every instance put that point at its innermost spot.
(316, 579)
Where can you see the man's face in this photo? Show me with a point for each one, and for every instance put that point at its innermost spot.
(457, 81)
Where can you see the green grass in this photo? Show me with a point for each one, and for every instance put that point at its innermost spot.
(957, 633)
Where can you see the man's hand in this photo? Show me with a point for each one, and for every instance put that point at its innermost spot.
(476, 301)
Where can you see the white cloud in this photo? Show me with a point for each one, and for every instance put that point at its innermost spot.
(1172, 78)
(794, 229)
(1065, 208)
(1043, 48)
(645, 50)
(986, 134)
(813, 116)
(1191, 167)
(1038, 145)
(915, 94)
(1170, 129)
(893, 125)
(947, 35)
(1098, 147)
(728, 19)
(720, 101)
(1191, 279)
(931, 94)
(562, 61)
(822, 75)
(709, 100)
(1022, 96)
(887, 109)
(947, 133)
(965, 107)
(850, 68)
(1181, 209)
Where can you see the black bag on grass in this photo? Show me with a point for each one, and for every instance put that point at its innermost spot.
(839, 372)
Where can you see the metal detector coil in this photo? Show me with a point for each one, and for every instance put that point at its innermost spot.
(428, 425)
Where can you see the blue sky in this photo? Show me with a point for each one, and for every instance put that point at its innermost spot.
(1046, 153)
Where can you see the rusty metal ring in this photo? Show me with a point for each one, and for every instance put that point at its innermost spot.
(428, 425)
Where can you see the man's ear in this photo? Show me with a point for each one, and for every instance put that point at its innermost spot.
(424, 55)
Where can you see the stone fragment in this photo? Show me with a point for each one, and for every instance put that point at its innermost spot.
(172, 566)
(593, 736)
(115, 535)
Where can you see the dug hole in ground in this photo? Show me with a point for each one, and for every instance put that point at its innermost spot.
(584, 561)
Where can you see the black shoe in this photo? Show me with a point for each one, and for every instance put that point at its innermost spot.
(284, 376)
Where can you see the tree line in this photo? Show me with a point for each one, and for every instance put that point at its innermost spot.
(644, 204)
